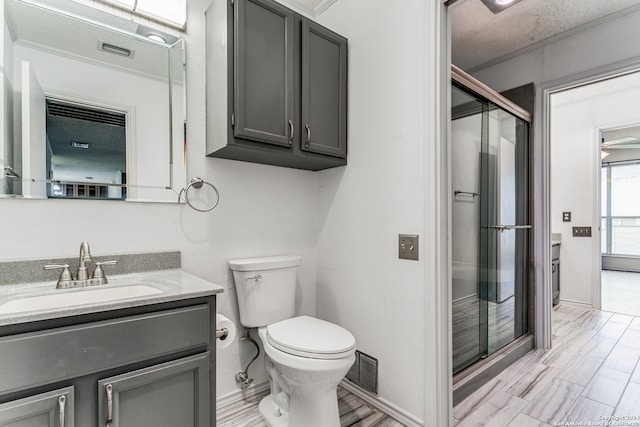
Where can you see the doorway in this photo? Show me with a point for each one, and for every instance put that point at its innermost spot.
(595, 187)
(620, 219)
(86, 151)
(490, 223)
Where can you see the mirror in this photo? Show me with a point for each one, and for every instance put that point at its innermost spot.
(93, 107)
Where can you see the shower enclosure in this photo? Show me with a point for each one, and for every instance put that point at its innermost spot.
(490, 221)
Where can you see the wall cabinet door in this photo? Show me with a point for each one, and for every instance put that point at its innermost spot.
(324, 90)
(264, 72)
(171, 394)
(51, 409)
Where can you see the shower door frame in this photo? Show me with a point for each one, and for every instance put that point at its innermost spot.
(524, 343)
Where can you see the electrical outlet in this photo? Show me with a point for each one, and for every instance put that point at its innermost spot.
(566, 216)
(408, 246)
(581, 231)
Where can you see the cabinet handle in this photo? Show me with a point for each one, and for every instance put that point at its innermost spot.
(291, 132)
(61, 403)
(553, 268)
(308, 135)
(109, 389)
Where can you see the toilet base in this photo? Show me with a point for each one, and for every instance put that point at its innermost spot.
(319, 410)
(272, 414)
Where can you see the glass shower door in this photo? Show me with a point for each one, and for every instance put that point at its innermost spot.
(504, 226)
(490, 228)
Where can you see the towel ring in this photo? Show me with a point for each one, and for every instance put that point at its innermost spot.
(197, 183)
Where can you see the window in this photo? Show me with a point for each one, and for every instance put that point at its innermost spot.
(620, 209)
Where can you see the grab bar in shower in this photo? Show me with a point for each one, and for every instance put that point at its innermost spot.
(508, 227)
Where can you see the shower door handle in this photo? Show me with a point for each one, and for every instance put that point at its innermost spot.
(508, 227)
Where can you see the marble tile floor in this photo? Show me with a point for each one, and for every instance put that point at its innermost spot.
(353, 412)
(621, 292)
(591, 373)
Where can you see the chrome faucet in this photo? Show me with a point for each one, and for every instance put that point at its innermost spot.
(82, 277)
(85, 256)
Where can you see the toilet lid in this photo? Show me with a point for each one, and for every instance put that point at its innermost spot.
(310, 337)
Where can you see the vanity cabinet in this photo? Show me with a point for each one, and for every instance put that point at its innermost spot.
(555, 273)
(276, 87)
(51, 409)
(134, 367)
(171, 394)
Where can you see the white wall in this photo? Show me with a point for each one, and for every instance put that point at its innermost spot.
(361, 208)
(263, 210)
(594, 47)
(577, 116)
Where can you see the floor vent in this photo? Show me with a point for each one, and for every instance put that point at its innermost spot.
(364, 372)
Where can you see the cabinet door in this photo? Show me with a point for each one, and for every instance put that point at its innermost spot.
(52, 409)
(263, 72)
(171, 394)
(324, 91)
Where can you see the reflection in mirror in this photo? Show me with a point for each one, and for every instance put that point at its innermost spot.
(85, 144)
(92, 107)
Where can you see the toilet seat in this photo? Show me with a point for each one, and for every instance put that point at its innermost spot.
(310, 337)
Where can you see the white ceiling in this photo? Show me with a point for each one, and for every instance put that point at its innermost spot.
(480, 37)
(62, 34)
(311, 7)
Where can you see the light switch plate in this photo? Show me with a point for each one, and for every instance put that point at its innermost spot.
(581, 231)
(408, 246)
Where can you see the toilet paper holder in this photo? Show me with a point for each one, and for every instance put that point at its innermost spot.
(222, 334)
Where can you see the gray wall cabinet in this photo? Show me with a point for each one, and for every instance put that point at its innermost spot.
(324, 98)
(264, 73)
(276, 87)
(144, 366)
(51, 409)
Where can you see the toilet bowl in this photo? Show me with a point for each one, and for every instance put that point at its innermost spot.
(306, 358)
(307, 373)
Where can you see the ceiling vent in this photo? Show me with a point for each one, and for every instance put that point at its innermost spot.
(117, 50)
(78, 112)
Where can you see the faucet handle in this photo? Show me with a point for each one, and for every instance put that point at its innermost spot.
(98, 272)
(65, 277)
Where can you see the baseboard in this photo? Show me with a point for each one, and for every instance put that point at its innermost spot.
(238, 395)
(384, 405)
(576, 303)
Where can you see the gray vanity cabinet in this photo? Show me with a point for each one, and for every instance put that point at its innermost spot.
(276, 87)
(175, 393)
(136, 367)
(51, 409)
(324, 94)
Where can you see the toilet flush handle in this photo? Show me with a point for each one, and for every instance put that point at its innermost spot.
(257, 278)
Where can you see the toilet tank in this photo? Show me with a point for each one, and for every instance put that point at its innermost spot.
(266, 288)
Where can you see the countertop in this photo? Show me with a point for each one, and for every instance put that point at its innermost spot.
(168, 285)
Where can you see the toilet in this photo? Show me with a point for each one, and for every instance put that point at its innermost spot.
(306, 358)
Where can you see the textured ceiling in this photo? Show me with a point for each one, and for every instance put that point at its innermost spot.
(479, 36)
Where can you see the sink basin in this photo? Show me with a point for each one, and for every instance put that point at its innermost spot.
(79, 296)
